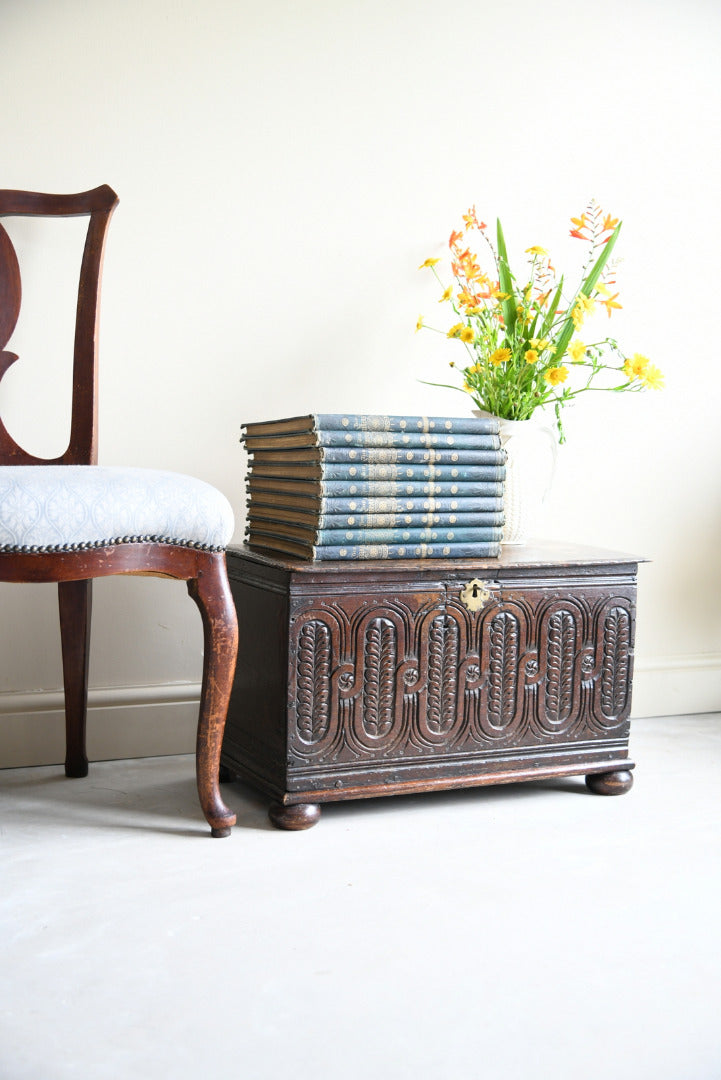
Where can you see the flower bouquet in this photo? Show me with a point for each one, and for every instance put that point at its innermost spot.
(521, 352)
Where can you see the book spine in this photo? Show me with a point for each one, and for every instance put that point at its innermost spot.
(394, 489)
(411, 439)
(429, 504)
(473, 534)
(487, 452)
(495, 471)
(414, 521)
(422, 424)
(262, 515)
(408, 551)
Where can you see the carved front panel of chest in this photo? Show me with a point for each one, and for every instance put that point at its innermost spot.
(416, 675)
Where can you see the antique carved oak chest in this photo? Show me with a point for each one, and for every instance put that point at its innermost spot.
(384, 677)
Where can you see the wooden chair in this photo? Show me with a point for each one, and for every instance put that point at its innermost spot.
(68, 520)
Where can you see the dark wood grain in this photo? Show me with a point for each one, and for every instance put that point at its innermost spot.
(73, 570)
(210, 590)
(610, 783)
(75, 602)
(98, 205)
(380, 679)
(294, 817)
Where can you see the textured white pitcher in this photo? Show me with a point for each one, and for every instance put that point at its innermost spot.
(532, 448)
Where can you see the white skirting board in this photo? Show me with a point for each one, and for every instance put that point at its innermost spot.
(151, 721)
(677, 685)
(123, 722)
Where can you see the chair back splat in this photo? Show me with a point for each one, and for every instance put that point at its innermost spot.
(98, 205)
(68, 520)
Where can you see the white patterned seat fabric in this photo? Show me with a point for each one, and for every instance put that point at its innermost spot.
(47, 508)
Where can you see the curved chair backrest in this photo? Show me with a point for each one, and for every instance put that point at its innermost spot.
(98, 205)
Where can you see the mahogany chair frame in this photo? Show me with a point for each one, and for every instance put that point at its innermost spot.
(204, 571)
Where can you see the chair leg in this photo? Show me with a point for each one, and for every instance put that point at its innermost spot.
(75, 603)
(211, 592)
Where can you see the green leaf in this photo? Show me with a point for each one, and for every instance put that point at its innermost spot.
(550, 314)
(505, 280)
(445, 386)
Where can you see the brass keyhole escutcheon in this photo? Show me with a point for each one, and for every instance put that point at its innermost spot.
(475, 594)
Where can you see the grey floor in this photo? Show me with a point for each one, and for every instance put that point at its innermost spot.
(528, 931)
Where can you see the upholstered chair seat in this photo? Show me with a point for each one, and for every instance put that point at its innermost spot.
(46, 508)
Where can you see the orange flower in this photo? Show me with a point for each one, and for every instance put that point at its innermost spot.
(454, 238)
(470, 220)
(469, 267)
(580, 224)
(611, 303)
(488, 290)
(468, 299)
(609, 223)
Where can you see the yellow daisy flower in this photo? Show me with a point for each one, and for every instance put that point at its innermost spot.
(447, 294)
(576, 350)
(531, 356)
(419, 323)
(455, 331)
(500, 356)
(428, 262)
(584, 306)
(536, 250)
(556, 375)
(636, 365)
(467, 334)
(653, 378)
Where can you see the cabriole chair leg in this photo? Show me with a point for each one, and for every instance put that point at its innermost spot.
(211, 592)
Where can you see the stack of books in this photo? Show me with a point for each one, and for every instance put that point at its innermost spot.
(335, 486)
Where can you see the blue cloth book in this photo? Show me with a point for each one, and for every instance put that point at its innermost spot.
(267, 511)
(350, 422)
(321, 471)
(376, 489)
(309, 503)
(332, 437)
(486, 451)
(339, 537)
(354, 552)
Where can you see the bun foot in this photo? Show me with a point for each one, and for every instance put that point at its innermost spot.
(300, 816)
(610, 783)
(225, 831)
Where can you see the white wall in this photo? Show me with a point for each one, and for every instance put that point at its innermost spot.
(283, 168)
